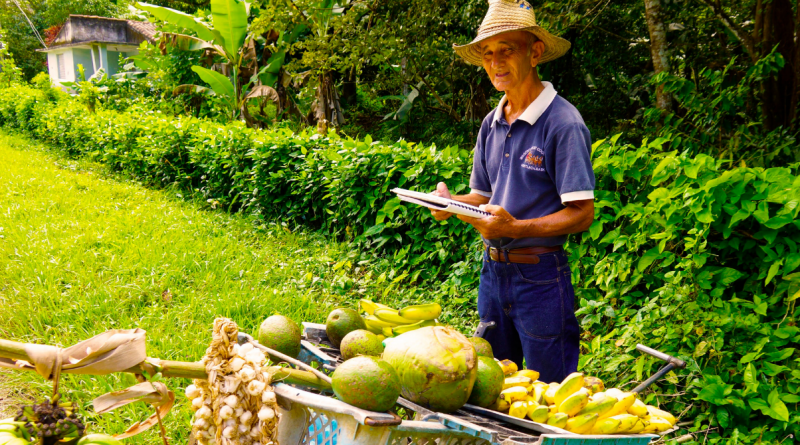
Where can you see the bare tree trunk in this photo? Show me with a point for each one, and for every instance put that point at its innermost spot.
(328, 111)
(779, 92)
(658, 48)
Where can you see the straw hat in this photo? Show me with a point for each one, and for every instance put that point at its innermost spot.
(511, 15)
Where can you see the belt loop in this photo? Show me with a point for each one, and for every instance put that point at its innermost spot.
(505, 253)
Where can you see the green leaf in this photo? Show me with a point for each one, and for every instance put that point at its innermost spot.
(647, 259)
(219, 83)
(180, 19)
(773, 270)
(777, 406)
(751, 379)
(374, 230)
(230, 20)
(715, 393)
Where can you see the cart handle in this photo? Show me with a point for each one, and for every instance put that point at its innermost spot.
(395, 420)
(675, 362)
(672, 363)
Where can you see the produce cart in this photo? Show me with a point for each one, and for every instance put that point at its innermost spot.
(316, 419)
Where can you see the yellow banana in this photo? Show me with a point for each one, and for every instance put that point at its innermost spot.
(502, 406)
(615, 392)
(509, 367)
(638, 427)
(517, 381)
(575, 402)
(98, 439)
(391, 316)
(514, 394)
(608, 425)
(571, 384)
(593, 384)
(397, 330)
(550, 394)
(653, 411)
(519, 409)
(16, 441)
(371, 320)
(538, 413)
(552, 408)
(599, 403)
(529, 373)
(656, 424)
(638, 409)
(621, 407)
(537, 394)
(581, 424)
(387, 332)
(429, 311)
(369, 306)
(381, 337)
(626, 422)
(558, 420)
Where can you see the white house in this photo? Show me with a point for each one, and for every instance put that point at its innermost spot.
(94, 42)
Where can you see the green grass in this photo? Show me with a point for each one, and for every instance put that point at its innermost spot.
(82, 251)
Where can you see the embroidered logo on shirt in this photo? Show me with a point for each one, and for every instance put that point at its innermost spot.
(533, 159)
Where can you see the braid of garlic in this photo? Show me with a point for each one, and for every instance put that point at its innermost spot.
(236, 405)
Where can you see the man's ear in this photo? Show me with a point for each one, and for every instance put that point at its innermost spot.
(537, 51)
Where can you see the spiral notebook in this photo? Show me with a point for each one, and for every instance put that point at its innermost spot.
(440, 203)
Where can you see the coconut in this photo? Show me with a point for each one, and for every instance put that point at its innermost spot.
(437, 367)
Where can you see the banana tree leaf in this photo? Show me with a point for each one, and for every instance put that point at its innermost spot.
(142, 63)
(269, 74)
(230, 20)
(197, 89)
(263, 91)
(183, 20)
(219, 83)
(185, 42)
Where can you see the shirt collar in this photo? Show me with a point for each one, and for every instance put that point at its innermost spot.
(535, 109)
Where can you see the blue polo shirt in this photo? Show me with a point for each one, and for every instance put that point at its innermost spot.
(535, 165)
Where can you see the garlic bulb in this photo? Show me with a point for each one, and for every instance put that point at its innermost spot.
(247, 373)
(256, 356)
(268, 397)
(232, 401)
(244, 349)
(236, 363)
(266, 413)
(246, 417)
(203, 413)
(197, 402)
(226, 412)
(255, 388)
(228, 432)
(192, 392)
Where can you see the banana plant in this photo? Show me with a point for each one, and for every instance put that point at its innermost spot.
(228, 37)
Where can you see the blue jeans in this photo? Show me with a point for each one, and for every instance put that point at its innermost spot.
(533, 307)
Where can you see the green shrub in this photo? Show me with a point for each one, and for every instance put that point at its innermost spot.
(699, 261)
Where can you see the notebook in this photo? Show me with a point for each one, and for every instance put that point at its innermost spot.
(440, 203)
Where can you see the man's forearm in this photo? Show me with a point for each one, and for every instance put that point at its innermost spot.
(575, 218)
(471, 199)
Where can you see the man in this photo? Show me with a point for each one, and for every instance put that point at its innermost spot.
(532, 167)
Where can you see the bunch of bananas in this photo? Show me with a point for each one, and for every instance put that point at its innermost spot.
(385, 321)
(14, 432)
(48, 422)
(580, 404)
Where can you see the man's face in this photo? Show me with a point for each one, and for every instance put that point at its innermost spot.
(506, 58)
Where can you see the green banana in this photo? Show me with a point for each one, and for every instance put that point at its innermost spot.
(14, 441)
(374, 322)
(98, 439)
(428, 311)
(391, 316)
(397, 330)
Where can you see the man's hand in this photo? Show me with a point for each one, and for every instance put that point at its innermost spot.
(441, 190)
(500, 224)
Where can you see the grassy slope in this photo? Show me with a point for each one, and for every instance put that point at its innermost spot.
(81, 253)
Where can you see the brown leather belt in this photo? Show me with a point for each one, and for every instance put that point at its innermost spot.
(525, 255)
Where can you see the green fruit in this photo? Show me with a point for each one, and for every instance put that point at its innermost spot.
(281, 334)
(437, 367)
(99, 439)
(366, 382)
(488, 383)
(482, 346)
(360, 342)
(341, 322)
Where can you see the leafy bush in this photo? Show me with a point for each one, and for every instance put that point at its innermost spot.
(696, 260)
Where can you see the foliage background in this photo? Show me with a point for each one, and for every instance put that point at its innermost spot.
(687, 256)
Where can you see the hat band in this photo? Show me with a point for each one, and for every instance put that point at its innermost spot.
(502, 27)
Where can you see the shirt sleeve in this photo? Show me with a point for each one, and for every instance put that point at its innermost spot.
(479, 180)
(574, 175)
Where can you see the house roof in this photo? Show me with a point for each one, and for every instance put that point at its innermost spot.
(88, 29)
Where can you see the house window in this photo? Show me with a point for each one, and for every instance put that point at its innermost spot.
(62, 68)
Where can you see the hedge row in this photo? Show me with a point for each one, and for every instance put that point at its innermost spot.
(686, 256)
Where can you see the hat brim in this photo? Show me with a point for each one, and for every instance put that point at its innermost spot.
(554, 47)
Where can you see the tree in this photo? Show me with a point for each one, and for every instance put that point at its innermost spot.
(229, 39)
(658, 48)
